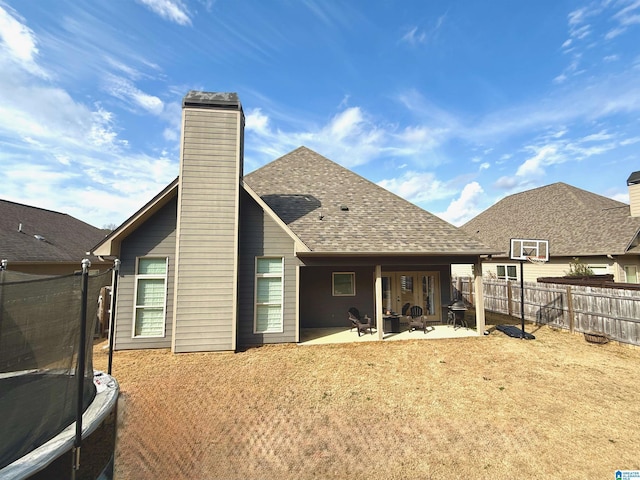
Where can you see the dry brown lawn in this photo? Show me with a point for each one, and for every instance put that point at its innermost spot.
(484, 408)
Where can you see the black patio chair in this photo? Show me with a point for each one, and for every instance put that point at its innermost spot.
(417, 321)
(361, 324)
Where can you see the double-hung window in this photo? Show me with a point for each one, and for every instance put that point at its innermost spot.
(151, 297)
(269, 294)
(507, 272)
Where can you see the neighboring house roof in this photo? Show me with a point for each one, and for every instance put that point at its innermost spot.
(576, 222)
(335, 211)
(35, 235)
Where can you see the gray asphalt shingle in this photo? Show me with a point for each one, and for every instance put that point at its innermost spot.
(576, 222)
(63, 238)
(334, 210)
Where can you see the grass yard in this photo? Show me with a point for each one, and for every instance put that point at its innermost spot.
(491, 407)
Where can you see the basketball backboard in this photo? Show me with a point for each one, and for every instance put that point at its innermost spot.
(527, 249)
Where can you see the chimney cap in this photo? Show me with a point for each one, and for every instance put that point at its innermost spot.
(226, 100)
(633, 178)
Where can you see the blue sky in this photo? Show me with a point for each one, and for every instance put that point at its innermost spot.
(451, 105)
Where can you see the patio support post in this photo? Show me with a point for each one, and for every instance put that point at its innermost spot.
(378, 302)
(479, 294)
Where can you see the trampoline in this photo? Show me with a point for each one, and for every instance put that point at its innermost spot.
(53, 404)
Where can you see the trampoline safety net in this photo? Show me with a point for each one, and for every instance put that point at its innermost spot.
(40, 328)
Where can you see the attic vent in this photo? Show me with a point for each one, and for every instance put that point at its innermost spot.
(344, 208)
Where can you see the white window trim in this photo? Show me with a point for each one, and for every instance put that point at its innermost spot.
(624, 269)
(506, 272)
(255, 296)
(333, 284)
(135, 297)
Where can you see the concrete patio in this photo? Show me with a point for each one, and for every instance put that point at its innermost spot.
(320, 336)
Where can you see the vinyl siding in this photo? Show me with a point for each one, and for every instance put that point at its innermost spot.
(634, 199)
(555, 267)
(206, 250)
(261, 236)
(156, 237)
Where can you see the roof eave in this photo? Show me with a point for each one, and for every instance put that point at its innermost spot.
(110, 245)
(398, 254)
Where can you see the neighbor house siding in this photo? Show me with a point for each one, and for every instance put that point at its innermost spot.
(260, 236)
(155, 238)
(206, 251)
(555, 267)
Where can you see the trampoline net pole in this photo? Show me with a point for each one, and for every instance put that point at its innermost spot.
(112, 313)
(80, 371)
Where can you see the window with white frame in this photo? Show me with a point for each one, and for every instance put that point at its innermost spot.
(343, 284)
(507, 272)
(631, 274)
(151, 297)
(269, 295)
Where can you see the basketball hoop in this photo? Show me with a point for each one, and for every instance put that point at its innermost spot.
(536, 260)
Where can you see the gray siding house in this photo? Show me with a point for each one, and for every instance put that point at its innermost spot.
(219, 261)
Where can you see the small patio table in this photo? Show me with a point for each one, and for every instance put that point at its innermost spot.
(394, 320)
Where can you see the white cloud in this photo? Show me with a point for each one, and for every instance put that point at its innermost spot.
(19, 43)
(621, 197)
(414, 37)
(417, 187)
(172, 10)
(465, 207)
(506, 182)
(630, 141)
(123, 89)
(255, 120)
(348, 137)
(533, 166)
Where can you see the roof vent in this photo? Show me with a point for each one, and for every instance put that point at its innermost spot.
(344, 208)
(40, 237)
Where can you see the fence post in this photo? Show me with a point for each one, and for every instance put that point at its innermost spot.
(570, 309)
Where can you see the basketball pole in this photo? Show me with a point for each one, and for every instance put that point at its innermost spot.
(522, 298)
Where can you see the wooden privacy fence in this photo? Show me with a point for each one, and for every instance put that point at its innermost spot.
(614, 313)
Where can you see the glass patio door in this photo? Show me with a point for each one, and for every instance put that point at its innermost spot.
(413, 288)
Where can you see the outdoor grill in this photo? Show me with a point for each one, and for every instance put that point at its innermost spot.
(456, 315)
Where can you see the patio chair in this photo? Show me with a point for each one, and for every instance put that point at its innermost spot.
(354, 317)
(404, 317)
(361, 324)
(417, 321)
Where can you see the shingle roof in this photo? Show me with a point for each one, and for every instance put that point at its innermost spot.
(334, 210)
(62, 238)
(576, 222)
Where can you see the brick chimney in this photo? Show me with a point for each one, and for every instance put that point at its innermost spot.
(633, 182)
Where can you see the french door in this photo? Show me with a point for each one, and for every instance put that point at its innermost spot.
(413, 288)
